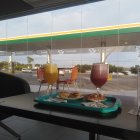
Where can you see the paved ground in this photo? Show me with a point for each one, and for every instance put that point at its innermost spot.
(120, 85)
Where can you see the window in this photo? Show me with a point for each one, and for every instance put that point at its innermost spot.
(80, 35)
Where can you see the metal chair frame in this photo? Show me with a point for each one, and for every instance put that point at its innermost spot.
(71, 80)
(40, 77)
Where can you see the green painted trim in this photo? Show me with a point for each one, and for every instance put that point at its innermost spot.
(72, 36)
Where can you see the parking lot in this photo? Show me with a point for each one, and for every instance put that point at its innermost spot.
(124, 84)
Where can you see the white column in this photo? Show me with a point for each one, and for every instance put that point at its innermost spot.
(10, 63)
(102, 57)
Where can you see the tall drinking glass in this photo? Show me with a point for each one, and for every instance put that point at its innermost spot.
(99, 75)
(51, 75)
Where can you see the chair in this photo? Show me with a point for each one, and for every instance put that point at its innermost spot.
(71, 80)
(11, 85)
(40, 77)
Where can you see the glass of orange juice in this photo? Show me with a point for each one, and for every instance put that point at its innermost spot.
(51, 74)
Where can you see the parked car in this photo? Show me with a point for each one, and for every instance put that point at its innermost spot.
(26, 70)
(62, 72)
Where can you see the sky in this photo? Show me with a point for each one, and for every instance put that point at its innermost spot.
(104, 13)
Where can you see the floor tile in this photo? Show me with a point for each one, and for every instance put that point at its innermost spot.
(21, 125)
(6, 138)
(11, 118)
(3, 132)
(35, 130)
(45, 131)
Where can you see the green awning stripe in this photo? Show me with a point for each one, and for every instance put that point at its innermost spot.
(75, 35)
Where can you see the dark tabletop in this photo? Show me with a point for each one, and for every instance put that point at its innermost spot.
(121, 125)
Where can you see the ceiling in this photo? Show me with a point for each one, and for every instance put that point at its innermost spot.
(15, 8)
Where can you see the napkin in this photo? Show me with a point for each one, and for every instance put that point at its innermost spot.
(57, 100)
(94, 104)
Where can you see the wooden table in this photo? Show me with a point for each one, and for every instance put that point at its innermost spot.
(123, 125)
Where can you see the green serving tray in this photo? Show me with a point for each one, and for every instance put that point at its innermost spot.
(113, 104)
